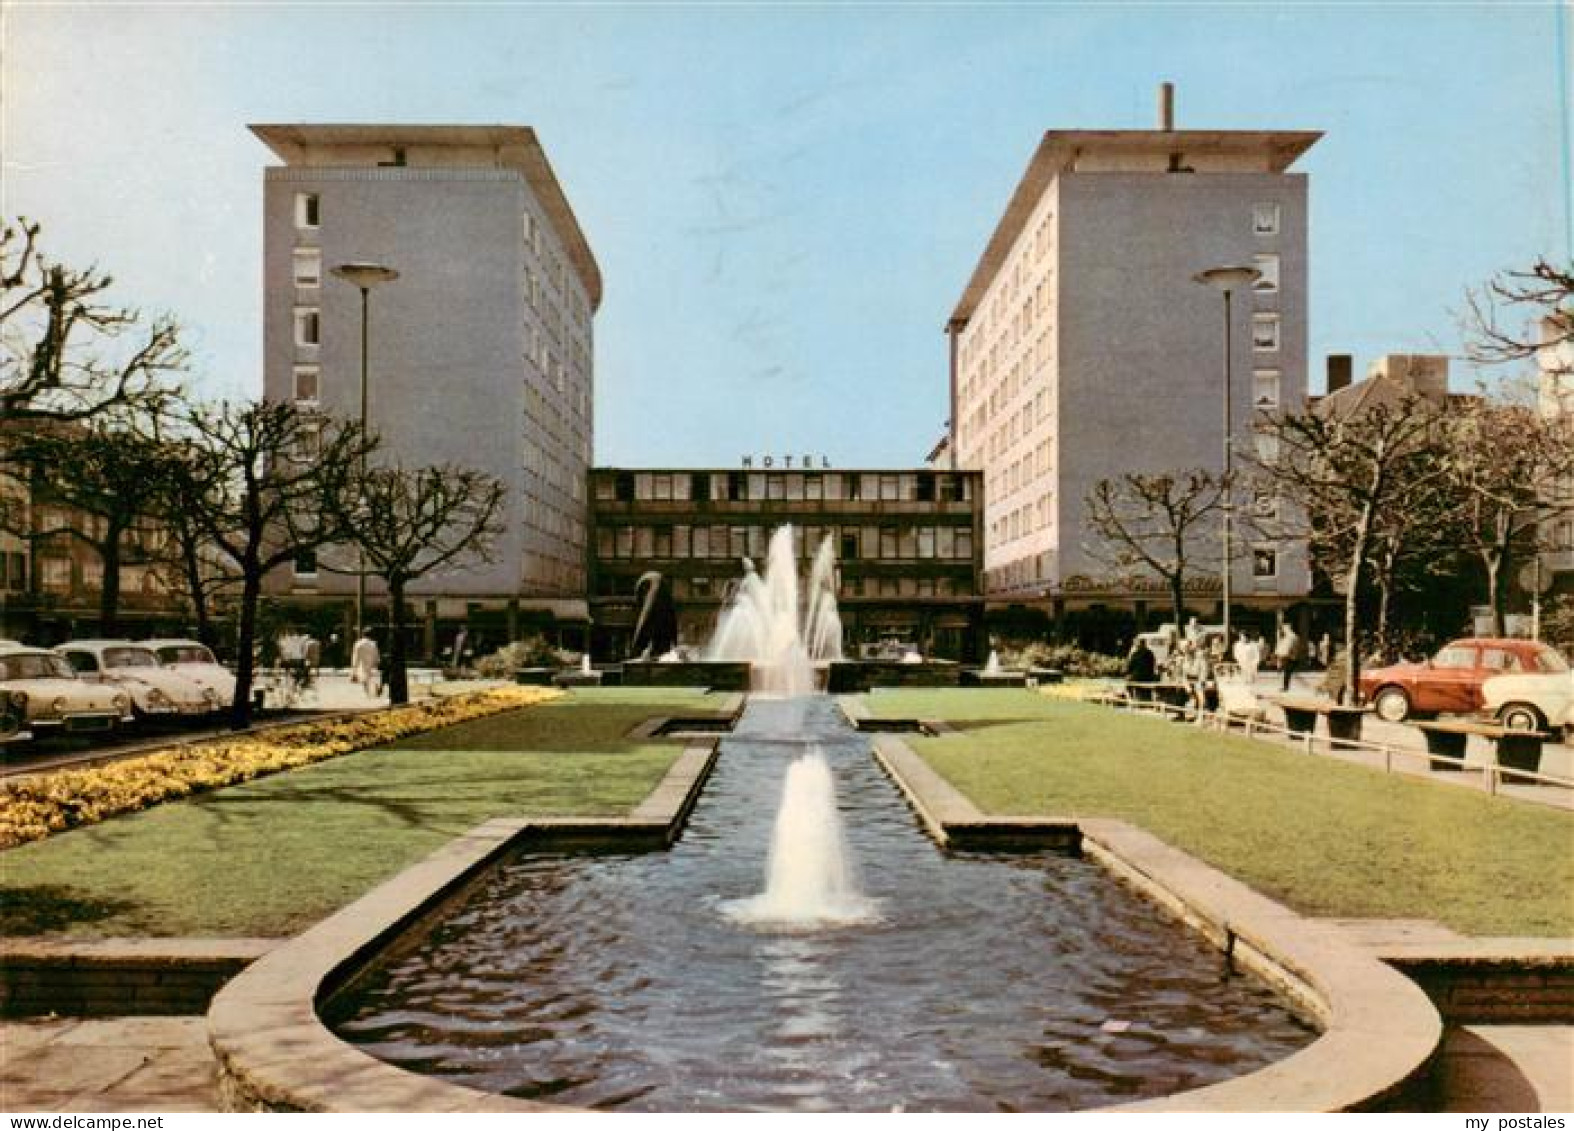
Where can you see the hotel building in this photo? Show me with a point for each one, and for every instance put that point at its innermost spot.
(480, 352)
(908, 545)
(1083, 349)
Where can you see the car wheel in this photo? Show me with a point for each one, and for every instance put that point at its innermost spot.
(1392, 704)
(1520, 716)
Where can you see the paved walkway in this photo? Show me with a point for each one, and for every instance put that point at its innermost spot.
(124, 1064)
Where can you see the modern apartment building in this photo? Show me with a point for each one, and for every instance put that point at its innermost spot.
(480, 351)
(907, 544)
(1082, 348)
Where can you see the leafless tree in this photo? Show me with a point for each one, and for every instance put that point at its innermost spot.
(67, 354)
(409, 524)
(1507, 464)
(269, 483)
(1161, 523)
(1521, 315)
(93, 483)
(1354, 476)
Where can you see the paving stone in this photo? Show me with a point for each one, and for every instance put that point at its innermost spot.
(63, 1068)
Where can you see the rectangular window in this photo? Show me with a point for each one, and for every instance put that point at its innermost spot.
(307, 329)
(702, 541)
(308, 210)
(308, 267)
(964, 544)
(1265, 563)
(1265, 332)
(306, 564)
(1267, 281)
(644, 542)
(1267, 447)
(306, 383)
(1265, 219)
(1265, 388)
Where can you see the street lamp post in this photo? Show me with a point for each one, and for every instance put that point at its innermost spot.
(363, 276)
(1226, 280)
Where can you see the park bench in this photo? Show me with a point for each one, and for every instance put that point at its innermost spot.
(1301, 712)
(1514, 749)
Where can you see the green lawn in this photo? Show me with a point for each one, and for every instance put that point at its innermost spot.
(274, 855)
(1324, 836)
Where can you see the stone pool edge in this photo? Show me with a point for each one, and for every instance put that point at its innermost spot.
(273, 1051)
(1380, 1031)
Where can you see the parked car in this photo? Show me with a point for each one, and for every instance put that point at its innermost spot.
(1450, 682)
(155, 690)
(40, 691)
(1532, 701)
(194, 660)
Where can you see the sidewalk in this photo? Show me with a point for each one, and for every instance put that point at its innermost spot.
(124, 1064)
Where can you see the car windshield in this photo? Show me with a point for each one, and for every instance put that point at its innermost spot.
(1551, 660)
(129, 658)
(185, 654)
(33, 666)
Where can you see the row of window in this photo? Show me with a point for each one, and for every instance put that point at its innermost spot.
(737, 486)
(703, 588)
(853, 543)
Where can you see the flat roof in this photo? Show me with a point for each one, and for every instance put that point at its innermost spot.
(1059, 150)
(517, 148)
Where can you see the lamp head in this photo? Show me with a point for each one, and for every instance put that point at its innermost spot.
(365, 275)
(1227, 278)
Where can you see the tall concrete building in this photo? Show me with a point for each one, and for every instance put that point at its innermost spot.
(1082, 348)
(480, 352)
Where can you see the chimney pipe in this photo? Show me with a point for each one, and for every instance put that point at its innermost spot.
(1167, 106)
(1339, 368)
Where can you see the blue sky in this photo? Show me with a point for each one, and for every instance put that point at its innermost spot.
(786, 201)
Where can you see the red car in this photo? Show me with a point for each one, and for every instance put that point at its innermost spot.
(1451, 680)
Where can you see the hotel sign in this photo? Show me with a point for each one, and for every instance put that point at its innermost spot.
(802, 463)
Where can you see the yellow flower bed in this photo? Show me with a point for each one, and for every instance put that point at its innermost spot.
(1078, 690)
(36, 807)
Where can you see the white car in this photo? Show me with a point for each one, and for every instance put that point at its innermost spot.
(194, 660)
(40, 691)
(1531, 701)
(155, 690)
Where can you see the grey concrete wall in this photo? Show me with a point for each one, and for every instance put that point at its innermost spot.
(1141, 345)
(449, 360)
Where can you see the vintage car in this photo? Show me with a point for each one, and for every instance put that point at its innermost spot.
(194, 660)
(1451, 681)
(1541, 701)
(41, 692)
(155, 690)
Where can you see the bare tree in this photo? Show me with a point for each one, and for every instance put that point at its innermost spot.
(1521, 315)
(409, 524)
(1156, 522)
(1353, 475)
(185, 557)
(94, 484)
(65, 353)
(1507, 462)
(269, 484)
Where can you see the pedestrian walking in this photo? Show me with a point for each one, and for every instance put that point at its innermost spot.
(1290, 652)
(366, 664)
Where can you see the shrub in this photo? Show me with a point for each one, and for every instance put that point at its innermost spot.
(35, 807)
(1066, 657)
(531, 652)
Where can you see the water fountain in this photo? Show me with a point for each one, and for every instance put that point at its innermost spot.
(654, 981)
(811, 880)
(785, 637)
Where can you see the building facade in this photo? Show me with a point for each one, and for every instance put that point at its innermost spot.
(1082, 347)
(908, 544)
(480, 352)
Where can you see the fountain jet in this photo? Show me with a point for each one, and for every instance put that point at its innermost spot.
(810, 882)
(779, 632)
